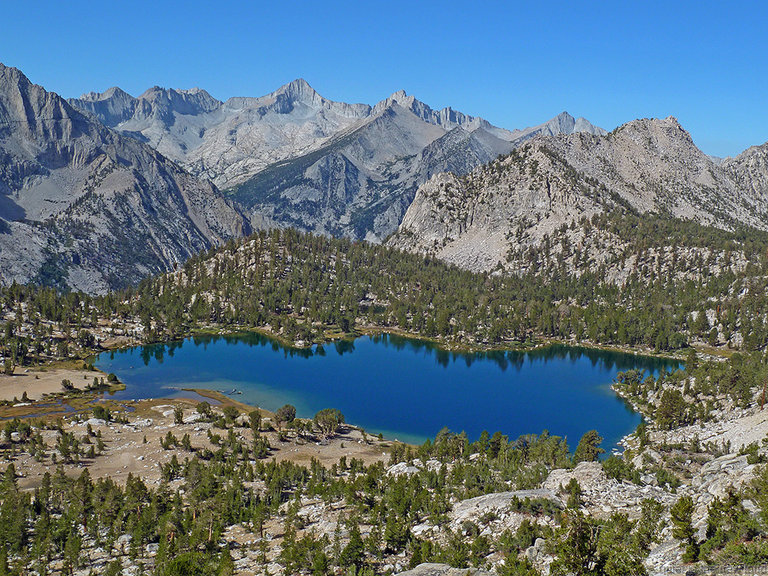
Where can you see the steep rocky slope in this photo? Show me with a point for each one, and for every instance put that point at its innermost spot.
(361, 182)
(85, 207)
(655, 166)
(544, 194)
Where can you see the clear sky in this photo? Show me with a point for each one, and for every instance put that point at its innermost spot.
(514, 63)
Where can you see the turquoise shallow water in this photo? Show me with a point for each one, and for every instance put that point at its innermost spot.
(404, 388)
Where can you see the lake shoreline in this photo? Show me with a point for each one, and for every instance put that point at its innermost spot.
(406, 388)
(442, 345)
(389, 428)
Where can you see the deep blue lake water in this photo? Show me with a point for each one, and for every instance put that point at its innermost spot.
(406, 389)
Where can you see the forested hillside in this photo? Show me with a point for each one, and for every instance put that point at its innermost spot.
(301, 285)
(710, 289)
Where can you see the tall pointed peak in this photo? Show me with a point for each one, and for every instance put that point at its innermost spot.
(565, 123)
(300, 84)
(154, 91)
(298, 90)
(9, 73)
(401, 98)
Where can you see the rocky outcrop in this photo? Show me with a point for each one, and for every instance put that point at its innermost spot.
(475, 508)
(84, 207)
(749, 171)
(731, 428)
(603, 496)
(443, 570)
(472, 221)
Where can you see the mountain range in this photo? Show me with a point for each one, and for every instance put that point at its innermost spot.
(99, 191)
(294, 158)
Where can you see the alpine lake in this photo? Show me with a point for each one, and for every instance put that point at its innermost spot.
(404, 388)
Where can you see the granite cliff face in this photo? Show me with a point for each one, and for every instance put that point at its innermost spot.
(490, 217)
(471, 221)
(84, 207)
(655, 166)
(749, 173)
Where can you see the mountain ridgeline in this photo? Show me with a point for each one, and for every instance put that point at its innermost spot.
(294, 158)
(84, 207)
(101, 191)
(550, 200)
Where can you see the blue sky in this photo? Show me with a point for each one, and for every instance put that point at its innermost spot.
(513, 63)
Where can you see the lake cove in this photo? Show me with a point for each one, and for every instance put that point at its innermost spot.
(404, 388)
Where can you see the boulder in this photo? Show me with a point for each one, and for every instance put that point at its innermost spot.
(589, 475)
(443, 570)
(475, 508)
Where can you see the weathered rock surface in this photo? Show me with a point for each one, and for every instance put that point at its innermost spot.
(85, 207)
(498, 502)
(443, 570)
(361, 182)
(472, 221)
(602, 495)
(734, 429)
(718, 476)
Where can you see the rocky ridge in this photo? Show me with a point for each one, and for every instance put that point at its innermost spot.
(84, 207)
(552, 186)
(361, 182)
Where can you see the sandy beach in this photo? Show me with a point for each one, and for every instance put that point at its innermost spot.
(36, 382)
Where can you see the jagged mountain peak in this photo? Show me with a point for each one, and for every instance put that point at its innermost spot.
(102, 189)
(115, 92)
(297, 94)
(400, 97)
(563, 123)
(31, 109)
(193, 101)
(13, 77)
(447, 118)
(10, 72)
(404, 100)
(298, 89)
(194, 91)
